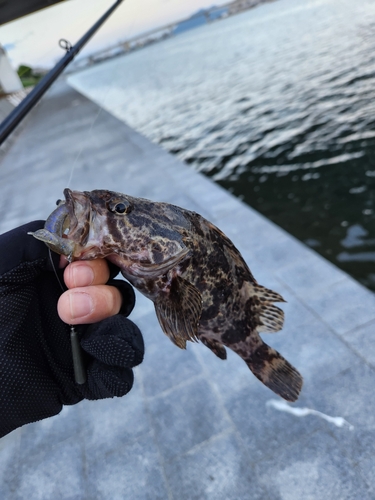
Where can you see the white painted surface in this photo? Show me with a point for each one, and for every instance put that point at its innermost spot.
(303, 412)
(9, 80)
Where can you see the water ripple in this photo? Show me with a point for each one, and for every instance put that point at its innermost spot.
(277, 105)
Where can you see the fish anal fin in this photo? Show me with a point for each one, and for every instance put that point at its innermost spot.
(215, 346)
(270, 317)
(275, 372)
(179, 311)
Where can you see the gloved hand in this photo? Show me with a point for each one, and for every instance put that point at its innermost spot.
(36, 366)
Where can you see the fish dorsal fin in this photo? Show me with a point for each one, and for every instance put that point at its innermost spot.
(271, 318)
(179, 312)
(267, 294)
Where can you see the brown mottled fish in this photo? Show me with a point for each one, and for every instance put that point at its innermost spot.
(200, 285)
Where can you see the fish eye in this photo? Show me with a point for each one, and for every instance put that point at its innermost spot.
(119, 207)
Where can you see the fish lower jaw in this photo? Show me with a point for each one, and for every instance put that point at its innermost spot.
(87, 253)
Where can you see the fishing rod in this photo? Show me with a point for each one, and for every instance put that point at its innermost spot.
(17, 115)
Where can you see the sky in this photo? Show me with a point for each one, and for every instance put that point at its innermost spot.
(33, 39)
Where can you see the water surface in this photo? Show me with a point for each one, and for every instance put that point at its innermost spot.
(277, 105)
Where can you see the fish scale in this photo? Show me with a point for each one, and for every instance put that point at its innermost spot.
(201, 287)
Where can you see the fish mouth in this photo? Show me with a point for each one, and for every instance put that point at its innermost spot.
(64, 221)
(78, 219)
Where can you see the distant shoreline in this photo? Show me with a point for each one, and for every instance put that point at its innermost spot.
(200, 18)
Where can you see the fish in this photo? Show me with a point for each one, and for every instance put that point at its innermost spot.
(201, 287)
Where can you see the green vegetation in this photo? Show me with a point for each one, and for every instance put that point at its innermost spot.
(29, 76)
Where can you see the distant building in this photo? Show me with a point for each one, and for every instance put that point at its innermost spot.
(9, 80)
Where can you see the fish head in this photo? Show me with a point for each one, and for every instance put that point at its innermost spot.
(138, 235)
(93, 218)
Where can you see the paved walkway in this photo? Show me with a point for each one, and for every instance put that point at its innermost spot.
(194, 427)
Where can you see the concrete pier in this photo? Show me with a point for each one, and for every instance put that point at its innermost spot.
(194, 427)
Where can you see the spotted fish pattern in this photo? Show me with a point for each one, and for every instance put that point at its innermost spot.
(201, 287)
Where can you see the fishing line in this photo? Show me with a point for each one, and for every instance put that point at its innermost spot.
(80, 374)
(90, 135)
(80, 151)
(101, 107)
(54, 270)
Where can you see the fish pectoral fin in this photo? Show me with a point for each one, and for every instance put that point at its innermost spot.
(152, 270)
(179, 312)
(270, 317)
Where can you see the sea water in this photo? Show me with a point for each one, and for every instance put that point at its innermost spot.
(277, 105)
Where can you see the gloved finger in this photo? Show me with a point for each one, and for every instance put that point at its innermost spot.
(105, 381)
(86, 273)
(89, 304)
(97, 272)
(116, 341)
(127, 293)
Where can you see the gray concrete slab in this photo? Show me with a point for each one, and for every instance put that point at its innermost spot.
(312, 468)
(194, 426)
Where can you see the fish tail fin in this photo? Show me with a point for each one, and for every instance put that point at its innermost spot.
(275, 372)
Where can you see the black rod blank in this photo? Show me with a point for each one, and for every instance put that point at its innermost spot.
(14, 118)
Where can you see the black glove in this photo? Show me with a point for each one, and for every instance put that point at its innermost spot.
(36, 366)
